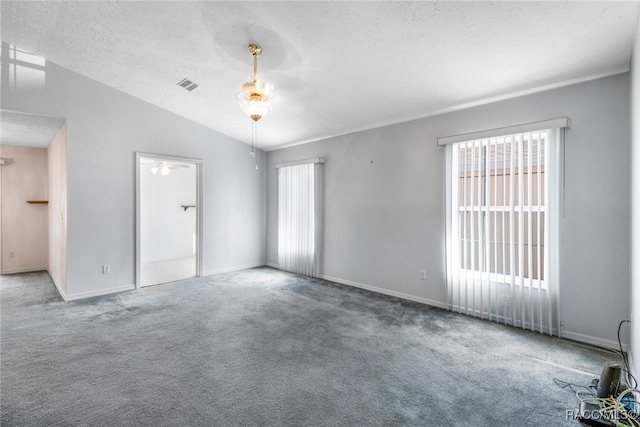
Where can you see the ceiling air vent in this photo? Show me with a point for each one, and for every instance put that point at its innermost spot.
(187, 84)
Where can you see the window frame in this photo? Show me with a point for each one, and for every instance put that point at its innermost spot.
(517, 163)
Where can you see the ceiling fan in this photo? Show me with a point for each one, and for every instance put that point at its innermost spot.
(162, 166)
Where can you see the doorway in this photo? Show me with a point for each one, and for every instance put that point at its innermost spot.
(33, 195)
(168, 210)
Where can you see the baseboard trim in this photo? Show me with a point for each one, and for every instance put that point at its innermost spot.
(588, 339)
(388, 292)
(99, 292)
(234, 268)
(60, 291)
(25, 270)
(273, 265)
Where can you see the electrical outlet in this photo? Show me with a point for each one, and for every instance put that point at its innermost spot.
(423, 275)
(12, 254)
(106, 269)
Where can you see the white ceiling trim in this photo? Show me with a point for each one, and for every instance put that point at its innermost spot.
(472, 104)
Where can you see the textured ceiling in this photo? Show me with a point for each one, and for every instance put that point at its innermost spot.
(28, 130)
(337, 67)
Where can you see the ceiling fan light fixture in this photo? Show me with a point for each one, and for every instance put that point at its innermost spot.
(255, 106)
(254, 96)
(160, 166)
(163, 166)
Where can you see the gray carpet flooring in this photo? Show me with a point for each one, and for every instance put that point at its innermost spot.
(261, 347)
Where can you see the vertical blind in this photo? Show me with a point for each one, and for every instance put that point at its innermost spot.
(501, 213)
(299, 218)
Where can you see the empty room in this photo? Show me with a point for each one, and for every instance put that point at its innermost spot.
(319, 213)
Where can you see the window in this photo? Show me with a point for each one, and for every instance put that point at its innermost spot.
(500, 205)
(299, 216)
(502, 225)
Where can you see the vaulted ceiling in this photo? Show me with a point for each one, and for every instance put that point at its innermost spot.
(336, 67)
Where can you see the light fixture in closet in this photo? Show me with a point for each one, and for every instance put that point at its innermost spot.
(165, 167)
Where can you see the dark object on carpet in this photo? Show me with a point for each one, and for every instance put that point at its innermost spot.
(590, 414)
(261, 347)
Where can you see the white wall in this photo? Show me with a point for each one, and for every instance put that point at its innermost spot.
(166, 229)
(635, 201)
(57, 159)
(105, 128)
(25, 227)
(384, 201)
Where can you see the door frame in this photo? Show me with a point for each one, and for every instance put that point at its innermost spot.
(199, 202)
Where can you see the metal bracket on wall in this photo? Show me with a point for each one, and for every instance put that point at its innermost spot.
(185, 207)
